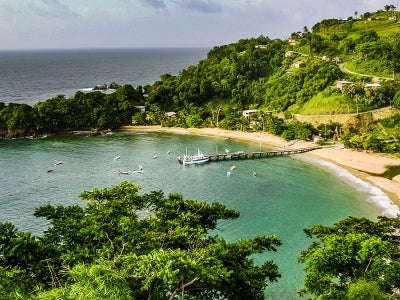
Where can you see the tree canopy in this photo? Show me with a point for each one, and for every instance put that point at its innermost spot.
(355, 258)
(125, 245)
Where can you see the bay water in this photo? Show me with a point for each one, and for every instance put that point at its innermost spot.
(288, 194)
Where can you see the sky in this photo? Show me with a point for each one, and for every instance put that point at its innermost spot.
(65, 24)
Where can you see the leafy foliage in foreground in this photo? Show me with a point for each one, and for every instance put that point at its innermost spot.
(354, 259)
(123, 245)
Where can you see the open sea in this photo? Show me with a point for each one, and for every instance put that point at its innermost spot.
(287, 195)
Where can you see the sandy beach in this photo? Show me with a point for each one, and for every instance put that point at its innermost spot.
(366, 166)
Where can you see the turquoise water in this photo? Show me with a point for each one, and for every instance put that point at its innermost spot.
(287, 195)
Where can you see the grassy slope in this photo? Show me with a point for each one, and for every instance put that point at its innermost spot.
(323, 104)
(383, 26)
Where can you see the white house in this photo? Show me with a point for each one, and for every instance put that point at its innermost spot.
(170, 114)
(290, 53)
(249, 112)
(372, 85)
(341, 83)
(298, 64)
(141, 108)
(337, 60)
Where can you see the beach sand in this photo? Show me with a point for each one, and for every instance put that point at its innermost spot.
(366, 166)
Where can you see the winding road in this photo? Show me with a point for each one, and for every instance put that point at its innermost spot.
(374, 78)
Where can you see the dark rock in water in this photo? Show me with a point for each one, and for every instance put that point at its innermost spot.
(113, 85)
(100, 87)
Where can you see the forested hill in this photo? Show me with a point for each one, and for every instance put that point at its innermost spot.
(282, 75)
(275, 77)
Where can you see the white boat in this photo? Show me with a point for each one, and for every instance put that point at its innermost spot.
(58, 162)
(198, 158)
(124, 172)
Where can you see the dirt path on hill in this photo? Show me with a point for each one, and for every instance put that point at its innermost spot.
(374, 77)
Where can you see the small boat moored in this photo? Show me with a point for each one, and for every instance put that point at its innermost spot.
(198, 158)
(58, 162)
(124, 172)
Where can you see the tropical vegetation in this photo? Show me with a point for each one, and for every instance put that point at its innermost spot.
(279, 78)
(125, 245)
(121, 244)
(355, 258)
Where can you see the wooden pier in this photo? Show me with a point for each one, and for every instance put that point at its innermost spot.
(251, 155)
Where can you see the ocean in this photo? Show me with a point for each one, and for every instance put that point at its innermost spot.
(287, 195)
(32, 76)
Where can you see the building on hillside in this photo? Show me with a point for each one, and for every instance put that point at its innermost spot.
(292, 42)
(337, 60)
(372, 85)
(262, 46)
(249, 112)
(170, 114)
(291, 53)
(298, 64)
(141, 108)
(341, 83)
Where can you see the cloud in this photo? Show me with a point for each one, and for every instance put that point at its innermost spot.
(25, 17)
(34, 9)
(199, 5)
(158, 4)
(155, 23)
(51, 8)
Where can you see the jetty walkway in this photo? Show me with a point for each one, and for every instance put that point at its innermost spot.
(250, 155)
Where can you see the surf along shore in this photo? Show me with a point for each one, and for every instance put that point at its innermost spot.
(368, 167)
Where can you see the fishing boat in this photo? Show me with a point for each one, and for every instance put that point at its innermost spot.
(198, 158)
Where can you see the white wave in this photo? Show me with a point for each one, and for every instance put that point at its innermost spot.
(86, 89)
(90, 89)
(376, 195)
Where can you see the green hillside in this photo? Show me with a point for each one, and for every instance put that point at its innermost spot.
(338, 67)
(328, 102)
(383, 22)
(358, 41)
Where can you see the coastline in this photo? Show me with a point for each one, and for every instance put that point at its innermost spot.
(360, 164)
